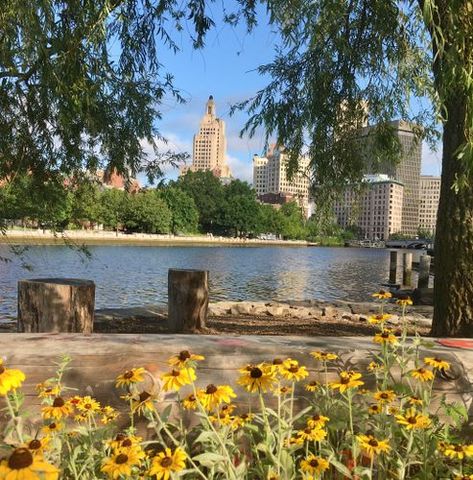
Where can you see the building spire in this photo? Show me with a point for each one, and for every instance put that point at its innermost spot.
(210, 107)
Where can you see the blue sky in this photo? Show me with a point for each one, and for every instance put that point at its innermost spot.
(225, 68)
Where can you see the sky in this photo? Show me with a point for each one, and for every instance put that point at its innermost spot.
(226, 69)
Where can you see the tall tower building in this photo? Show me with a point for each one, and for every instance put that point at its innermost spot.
(429, 202)
(407, 172)
(210, 144)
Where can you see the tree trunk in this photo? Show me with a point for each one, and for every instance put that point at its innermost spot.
(188, 300)
(453, 285)
(56, 305)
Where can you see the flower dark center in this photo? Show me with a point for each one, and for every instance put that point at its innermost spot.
(127, 443)
(458, 448)
(277, 361)
(314, 463)
(382, 292)
(412, 420)
(128, 374)
(87, 406)
(2, 369)
(191, 398)
(384, 395)
(256, 372)
(184, 355)
(244, 416)
(59, 402)
(421, 371)
(121, 459)
(144, 396)
(52, 426)
(344, 380)
(34, 444)
(316, 418)
(385, 335)
(308, 431)
(293, 368)
(166, 462)
(211, 389)
(120, 437)
(175, 373)
(20, 458)
(373, 443)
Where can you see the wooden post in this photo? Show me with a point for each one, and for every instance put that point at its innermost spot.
(56, 305)
(424, 271)
(407, 270)
(188, 300)
(392, 266)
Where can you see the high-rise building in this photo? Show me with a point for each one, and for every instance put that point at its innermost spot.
(406, 171)
(429, 202)
(270, 177)
(376, 208)
(210, 144)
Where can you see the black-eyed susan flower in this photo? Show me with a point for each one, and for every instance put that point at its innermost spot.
(283, 391)
(392, 410)
(167, 462)
(46, 390)
(312, 386)
(277, 364)
(317, 421)
(257, 378)
(311, 434)
(214, 395)
(291, 370)
(130, 377)
(346, 381)
(23, 465)
(422, 374)
(382, 295)
(375, 409)
(386, 337)
(108, 414)
(143, 402)
(314, 465)
(10, 379)
(272, 475)
(404, 301)
(380, 318)
(384, 396)
(177, 378)
(190, 402)
(88, 405)
(59, 409)
(458, 451)
(120, 464)
(52, 427)
(324, 356)
(437, 363)
(123, 441)
(37, 446)
(413, 400)
(413, 420)
(374, 367)
(372, 446)
(465, 476)
(183, 358)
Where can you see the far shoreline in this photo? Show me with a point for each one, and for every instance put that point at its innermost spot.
(47, 237)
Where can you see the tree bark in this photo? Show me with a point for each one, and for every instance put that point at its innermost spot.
(188, 300)
(453, 285)
(56, 305)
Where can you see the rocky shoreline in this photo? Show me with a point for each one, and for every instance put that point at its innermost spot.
(310, 317)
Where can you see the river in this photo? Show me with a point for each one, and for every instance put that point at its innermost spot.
(137, 275)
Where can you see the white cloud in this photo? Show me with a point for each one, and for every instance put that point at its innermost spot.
(241, 169)
(431, 160)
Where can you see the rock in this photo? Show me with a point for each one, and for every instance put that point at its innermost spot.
(274, 311)
(347, 317)
(328, 311)
(361, 318)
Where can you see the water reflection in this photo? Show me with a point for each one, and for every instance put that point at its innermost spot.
(128, 276)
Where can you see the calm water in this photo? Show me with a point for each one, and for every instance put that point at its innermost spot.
(132, 276)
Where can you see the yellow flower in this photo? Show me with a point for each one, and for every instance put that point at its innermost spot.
(404, 301)
(176, 379)
(372, 446)
(413, 420)
(46, 390)
(314, 465)
(122, 441)
(57, 410)
(311, 434)
(257, 378)
(393, 410)
(413, 400)
(164, 463)
(458, 451)
(37, 446)
(312, 386)
(10, 379)
(272, 475)
(283, 391)
(143, 402)
(214, 395)
(291, 370)
(382, 295)
(317, 421)
(108, 414)
(385, 396)
(130, 377)
(347, 380)
(88, 405)
(375, 409)
(121, 462)
(464, 477)
(23, 465)
(52, 427)
(277, 364)
(190, 402)
(377, 319)
(422, 374)
(385, 337)
(374, 367)
(324, 356)
(436, 362)
(182, 359)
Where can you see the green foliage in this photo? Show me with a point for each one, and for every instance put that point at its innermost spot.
(146, 212)
(113, 206)
(85, 203)
(185, 216)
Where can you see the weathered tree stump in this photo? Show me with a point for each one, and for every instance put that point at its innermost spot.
(393, 266)
(56, 305)
(424, 271)
(407, 270)
(188, 300)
